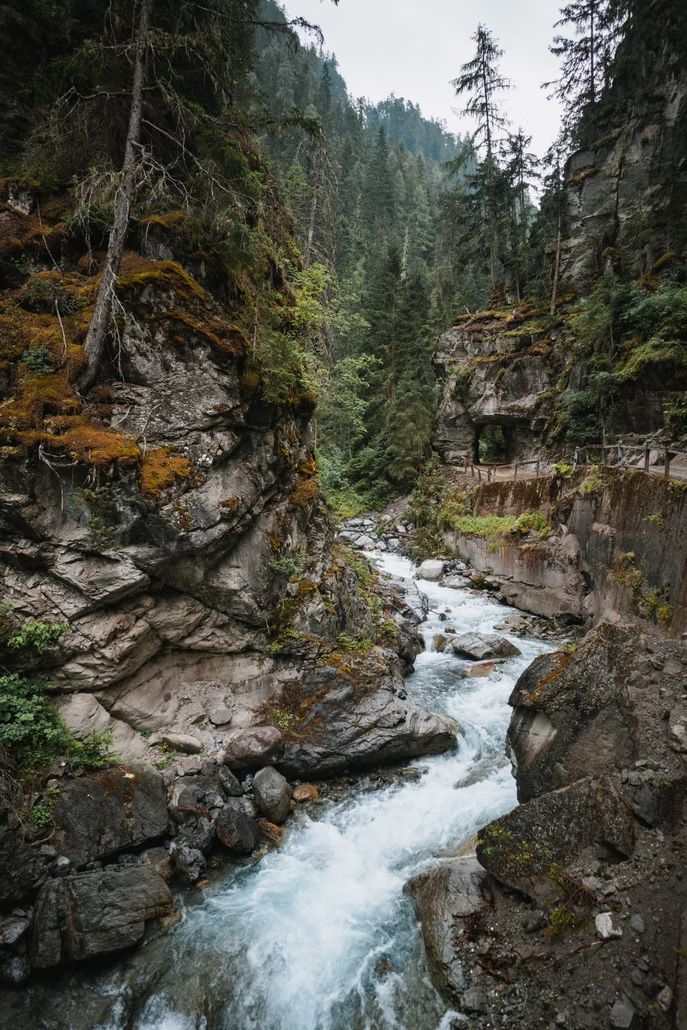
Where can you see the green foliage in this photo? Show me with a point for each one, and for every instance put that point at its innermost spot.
(594, 482)
(38, 360)
(44, 295)
(92, 752)
(562, 921)
(532, 522)
(358, 646)
(41, 813)
(289, 565)
(29, 726)
(36, 636)
(563, 469)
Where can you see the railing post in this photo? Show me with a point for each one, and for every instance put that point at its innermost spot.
(536, 470)
(647, 459)
(668, 461)
(515, 471)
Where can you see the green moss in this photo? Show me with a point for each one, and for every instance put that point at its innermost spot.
(562, 921)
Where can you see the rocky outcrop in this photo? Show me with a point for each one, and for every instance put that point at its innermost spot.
(605, 551)
(586, 875)
(496, 369)
(94, 914)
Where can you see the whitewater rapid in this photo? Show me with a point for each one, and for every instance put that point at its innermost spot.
(320, 934)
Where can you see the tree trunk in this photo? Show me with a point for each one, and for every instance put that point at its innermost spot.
(557, 269)
(102, 316)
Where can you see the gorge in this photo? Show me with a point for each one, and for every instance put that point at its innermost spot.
(343, 541)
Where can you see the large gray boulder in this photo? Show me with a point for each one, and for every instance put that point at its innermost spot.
(431, 570)
(272, 795)
(445, 899)
(107, 812)
(481, 648)
(358, 719)
(251, 748)
(97, 913)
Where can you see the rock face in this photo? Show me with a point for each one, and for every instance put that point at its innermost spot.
(94, 914)
(587, 872)
(100, 815)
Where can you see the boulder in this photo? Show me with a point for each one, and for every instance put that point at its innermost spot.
(520, 848)
(188, 862)
(431, 570)
(446, 898)
(107, 812)
(97, 913)
(236, 830)
(481, 648)
(480, 670)
(185, 742)
(252, 748)
(357, 720)
(272, 795)
(270, 832)
(566, 704)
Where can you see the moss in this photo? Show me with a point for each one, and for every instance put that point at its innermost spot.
(305, 492)
(161, 469)
(138, 272)
(562, 920)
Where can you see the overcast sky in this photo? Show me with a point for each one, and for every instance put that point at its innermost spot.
(413, 48)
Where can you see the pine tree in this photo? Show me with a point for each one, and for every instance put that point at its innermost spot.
(482, 81)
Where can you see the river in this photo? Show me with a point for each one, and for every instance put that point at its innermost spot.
(320, 935)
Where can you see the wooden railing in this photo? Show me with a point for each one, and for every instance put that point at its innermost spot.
(652, 460)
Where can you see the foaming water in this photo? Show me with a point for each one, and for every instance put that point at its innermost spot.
(320, 935)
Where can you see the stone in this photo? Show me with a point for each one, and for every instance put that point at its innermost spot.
(188, 863)
(270, 831)
(190, 766)
(12, 930)
(623, 1014)
(354, 723)
(106, 812)
(180, 742)
(305, 792)
(607, 926)
(481, 648)
(105, 911)
(480, 670)
(220, 716)
(446, 898)
(236, 830)
(230, 785)
(83, 715)
(272, 795)
(431, 570)
(474, 1000)
(664, 998)
(637, 923)
(253, 747)
(15, 971)
(159, 860)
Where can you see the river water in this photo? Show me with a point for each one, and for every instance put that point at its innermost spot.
(320, 935)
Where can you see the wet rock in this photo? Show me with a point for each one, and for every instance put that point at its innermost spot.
(236, 830)
(480, 648)
(270, 832)
(106, 812)
(99, 913)
(305, 792)
(272, 795)
(444, 899)
(253, 748)
(188, 863)
(480, 670)
(431, 570)
(15, 971)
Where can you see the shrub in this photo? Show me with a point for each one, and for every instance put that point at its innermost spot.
(38, 360)
(91, 753)
(30, 728)
(36, 636)
(532, 522)
(289, 566)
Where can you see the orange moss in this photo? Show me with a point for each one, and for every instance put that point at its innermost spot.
(138, 272)
(162, 469)
(305, 492)
(99, 447)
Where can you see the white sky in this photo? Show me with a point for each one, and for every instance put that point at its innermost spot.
(413, 48)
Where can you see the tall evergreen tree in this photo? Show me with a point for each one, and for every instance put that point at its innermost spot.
(482, 81)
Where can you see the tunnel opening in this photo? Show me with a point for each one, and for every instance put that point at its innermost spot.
(493, 445)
